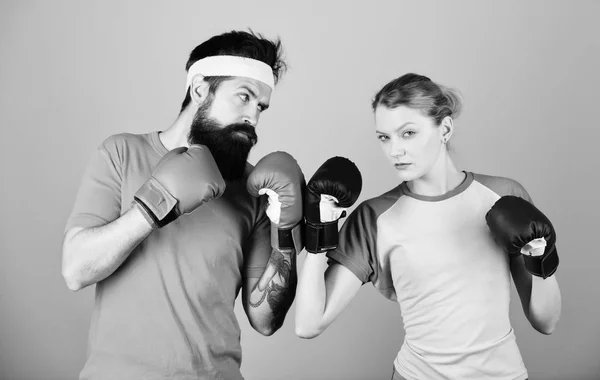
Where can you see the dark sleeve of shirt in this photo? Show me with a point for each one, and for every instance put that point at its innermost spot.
(503, 186)
(357, 244)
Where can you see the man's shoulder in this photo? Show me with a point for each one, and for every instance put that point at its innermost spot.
(123, 143)
(126, 138)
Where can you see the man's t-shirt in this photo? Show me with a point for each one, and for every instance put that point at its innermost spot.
(436, 257)
(168, 310)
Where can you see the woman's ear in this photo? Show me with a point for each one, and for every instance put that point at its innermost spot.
(447, 126)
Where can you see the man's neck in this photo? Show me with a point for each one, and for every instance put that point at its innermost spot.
(177, 134)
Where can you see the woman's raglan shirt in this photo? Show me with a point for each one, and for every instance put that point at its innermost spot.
(436, 257)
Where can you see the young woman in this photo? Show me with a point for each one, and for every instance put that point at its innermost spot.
(443, 243)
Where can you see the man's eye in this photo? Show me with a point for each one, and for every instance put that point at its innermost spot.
(244, 97)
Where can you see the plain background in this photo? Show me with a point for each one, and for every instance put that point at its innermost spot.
(73, 73)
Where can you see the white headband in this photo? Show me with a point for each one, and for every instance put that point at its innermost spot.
(228, 65)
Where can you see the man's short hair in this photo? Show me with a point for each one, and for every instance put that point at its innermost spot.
(241, 44)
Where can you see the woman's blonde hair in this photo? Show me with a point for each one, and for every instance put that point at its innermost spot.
(421, 93)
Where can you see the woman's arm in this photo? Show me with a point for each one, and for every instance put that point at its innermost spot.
(323, 292)
(528, 237)
(540, 297)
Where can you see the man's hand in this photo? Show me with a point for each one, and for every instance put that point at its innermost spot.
(182, 180)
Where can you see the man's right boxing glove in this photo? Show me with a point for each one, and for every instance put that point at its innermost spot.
(183, 179)
(333, 188)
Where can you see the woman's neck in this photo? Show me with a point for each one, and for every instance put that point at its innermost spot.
(442, 178)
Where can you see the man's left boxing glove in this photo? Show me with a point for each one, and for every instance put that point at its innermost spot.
(183, 179)
(518, 226)
(279, 176)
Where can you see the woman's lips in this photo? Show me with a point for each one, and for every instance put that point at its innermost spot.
(402, 165)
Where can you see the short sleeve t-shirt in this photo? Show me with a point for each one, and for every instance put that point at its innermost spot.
(435, 256)
(168, 310)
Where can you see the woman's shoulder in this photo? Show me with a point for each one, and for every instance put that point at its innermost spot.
(501, 185)
(380, 203)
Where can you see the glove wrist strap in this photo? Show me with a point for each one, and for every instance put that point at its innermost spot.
(288, 238)
(321, 237)
(542, 266)
(146, 213)
(157, 203)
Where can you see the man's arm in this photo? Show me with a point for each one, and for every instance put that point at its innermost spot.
(183, 179)
(267, 299)
(91, 254)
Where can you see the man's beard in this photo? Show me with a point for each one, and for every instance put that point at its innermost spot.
(229, 145)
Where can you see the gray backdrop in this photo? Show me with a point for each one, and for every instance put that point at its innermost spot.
(73, 73)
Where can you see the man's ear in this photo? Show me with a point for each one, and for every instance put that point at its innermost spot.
(447, 126)
(199, 89)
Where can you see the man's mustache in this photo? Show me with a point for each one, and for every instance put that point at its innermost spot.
(243, 128)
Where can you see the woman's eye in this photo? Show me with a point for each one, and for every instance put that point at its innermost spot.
(408, 133)
(244, 97)
(382, 138)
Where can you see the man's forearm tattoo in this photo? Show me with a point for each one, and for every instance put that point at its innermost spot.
(278, 284)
